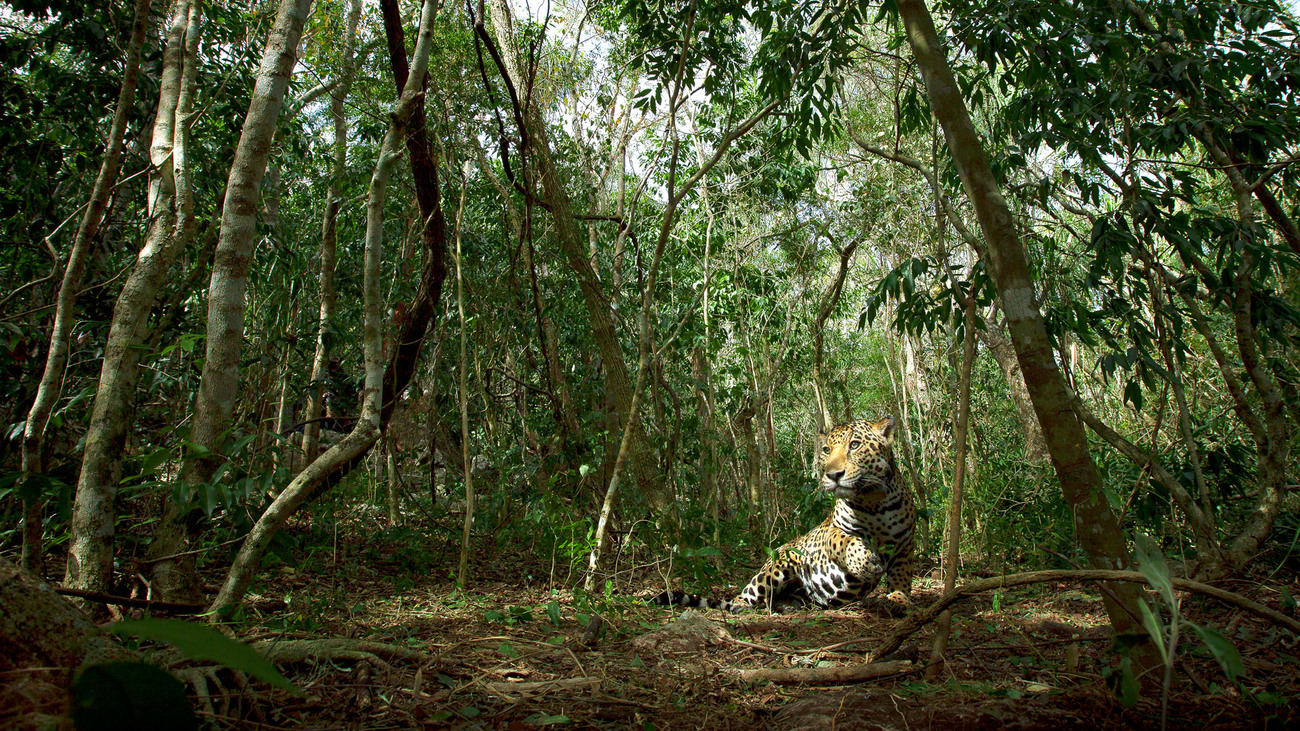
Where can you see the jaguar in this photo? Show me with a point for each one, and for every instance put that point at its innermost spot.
(868, 534)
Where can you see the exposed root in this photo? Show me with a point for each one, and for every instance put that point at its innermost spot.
(338, 648)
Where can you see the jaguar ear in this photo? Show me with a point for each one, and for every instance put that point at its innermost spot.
(885, 428)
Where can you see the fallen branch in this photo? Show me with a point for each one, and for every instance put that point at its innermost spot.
(834, 675)
(122, 601)
(514, 692)
(914, 623)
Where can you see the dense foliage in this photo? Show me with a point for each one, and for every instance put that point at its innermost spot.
(740, 158)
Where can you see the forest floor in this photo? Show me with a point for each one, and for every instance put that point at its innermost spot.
(511, 653)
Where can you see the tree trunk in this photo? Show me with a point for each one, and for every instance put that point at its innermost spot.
(952, 552)
(174, 579)
(366, 431)
(329, 236)
(1005, 356)
(462, 395)
(829, 299)
(40, 629)
(171, 225)
(1095, 524)
(618, 381)
(56, 360)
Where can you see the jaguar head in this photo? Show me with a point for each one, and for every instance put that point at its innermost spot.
(858, 460)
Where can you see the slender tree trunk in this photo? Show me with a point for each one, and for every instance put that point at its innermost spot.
(56, 359)
(829, 299)
(283, 412)
(463, 397)
(394, 486)
(171, 225)
(174, 579)
(366, 431)
(424, 170)
(604, 332)
(1095, 524)
(952, 552)
(329, 235)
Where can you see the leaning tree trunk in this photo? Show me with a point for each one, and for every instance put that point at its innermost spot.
(171, 225)
(329, 235)
(1095, 523)
(366, 431)
(174, 578)
(604, 332)
(56, 360)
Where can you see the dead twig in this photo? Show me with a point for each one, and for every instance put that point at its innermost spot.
(122, 601)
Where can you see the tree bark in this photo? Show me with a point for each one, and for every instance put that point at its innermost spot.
(952, 552)
(462, 395)
(366, 431)
(40, 629)
(329, 235)
(1003, 352)
(56, 359)
(171, 225)
(1095, 524)
(424, 170)
(1005, 356)
(174, 579)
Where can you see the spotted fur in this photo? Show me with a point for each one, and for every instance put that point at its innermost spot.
(868, 534)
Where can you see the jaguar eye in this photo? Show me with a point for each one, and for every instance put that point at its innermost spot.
(855, 444)
(826, 449)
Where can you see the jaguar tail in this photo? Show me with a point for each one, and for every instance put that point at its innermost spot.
(682, 599)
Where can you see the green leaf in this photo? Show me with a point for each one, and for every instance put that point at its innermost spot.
(197, 450)
(38, 487)
(200, 642)
(1288, 600)
(153, 460)
(1152, 564)
(119, 695)
(1128, 685)
(1154, 628)
(1224, 651)
(553, 613)
(546, 719)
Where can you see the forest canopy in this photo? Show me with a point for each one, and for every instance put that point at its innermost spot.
(570, 294)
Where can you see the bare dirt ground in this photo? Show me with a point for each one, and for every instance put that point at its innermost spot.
(512, 653)
(399, 647)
